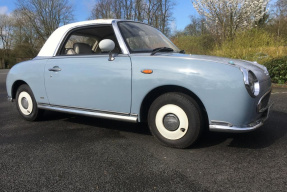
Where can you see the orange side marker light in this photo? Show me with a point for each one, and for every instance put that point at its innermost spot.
(147, 71)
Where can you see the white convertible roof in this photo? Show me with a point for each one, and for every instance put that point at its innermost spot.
(57, 36)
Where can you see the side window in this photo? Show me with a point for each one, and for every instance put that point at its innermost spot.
(85, 41)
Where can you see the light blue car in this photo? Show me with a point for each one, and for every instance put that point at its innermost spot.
(129, 71)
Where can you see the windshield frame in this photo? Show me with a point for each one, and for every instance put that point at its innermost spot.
(135, 52)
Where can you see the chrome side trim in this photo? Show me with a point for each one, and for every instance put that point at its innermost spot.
(85, 56)
(120, 38)
(220, 128)
(221, 123)
(9, 98)
(83, 109)
(91, 113)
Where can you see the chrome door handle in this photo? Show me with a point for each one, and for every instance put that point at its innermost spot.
(55, 69)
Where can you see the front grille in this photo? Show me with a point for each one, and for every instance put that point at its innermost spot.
(264, 101)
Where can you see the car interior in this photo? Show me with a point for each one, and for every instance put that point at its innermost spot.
(86, 41)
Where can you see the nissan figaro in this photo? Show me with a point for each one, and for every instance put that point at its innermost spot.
(129, 71)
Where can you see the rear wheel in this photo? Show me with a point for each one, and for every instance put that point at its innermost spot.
(175, 119)
(26, 104)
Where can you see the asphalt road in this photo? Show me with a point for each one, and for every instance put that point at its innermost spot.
(74, 153)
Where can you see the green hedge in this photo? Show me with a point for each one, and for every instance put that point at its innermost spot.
(277, 68)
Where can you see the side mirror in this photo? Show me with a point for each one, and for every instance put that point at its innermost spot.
(107, 45)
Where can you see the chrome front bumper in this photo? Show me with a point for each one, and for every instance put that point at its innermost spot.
(9, 98)
(229, 128)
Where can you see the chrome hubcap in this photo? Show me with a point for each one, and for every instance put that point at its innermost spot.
(171, 122)
(25, 103)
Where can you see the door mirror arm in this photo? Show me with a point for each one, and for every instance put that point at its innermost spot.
(111, 57)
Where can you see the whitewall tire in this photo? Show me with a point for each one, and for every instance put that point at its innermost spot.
(177, 113)
(26, 104)
(175, 119)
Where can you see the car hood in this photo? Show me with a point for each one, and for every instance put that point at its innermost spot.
(259, 70)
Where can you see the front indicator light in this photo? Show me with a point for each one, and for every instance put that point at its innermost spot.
(147, 71)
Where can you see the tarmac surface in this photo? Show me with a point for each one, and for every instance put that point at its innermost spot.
(73, 153)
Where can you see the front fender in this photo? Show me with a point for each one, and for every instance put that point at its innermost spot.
(220, 87)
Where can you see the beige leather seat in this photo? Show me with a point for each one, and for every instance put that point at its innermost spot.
(80, 48)
(70, 52)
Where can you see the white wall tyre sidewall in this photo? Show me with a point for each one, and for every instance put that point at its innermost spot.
(29, 110)
(183, 119)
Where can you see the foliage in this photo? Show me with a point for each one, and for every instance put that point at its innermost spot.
(278, 19)
(196, 27)
(225, 17)
(45, 16)
(277, 69)
(195, 44)
(253, 45)
(24, 31)
(6, 30)
(157, 13)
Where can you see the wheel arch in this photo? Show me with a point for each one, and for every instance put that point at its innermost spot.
(156, 92)
(15, 87)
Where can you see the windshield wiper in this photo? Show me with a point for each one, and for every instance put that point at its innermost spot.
(161, 49)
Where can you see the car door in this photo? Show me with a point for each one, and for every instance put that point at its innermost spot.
(89, 81)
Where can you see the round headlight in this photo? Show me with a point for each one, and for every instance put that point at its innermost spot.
(251, 82)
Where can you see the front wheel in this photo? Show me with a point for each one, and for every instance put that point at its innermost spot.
(26, 104)
(175, 120)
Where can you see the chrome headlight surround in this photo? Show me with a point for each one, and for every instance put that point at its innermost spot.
(266, 71)
(251, 82)
(262, 67)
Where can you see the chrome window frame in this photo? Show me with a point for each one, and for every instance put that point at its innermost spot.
(119, 36)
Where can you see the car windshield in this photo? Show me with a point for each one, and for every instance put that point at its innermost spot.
(143, 38)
